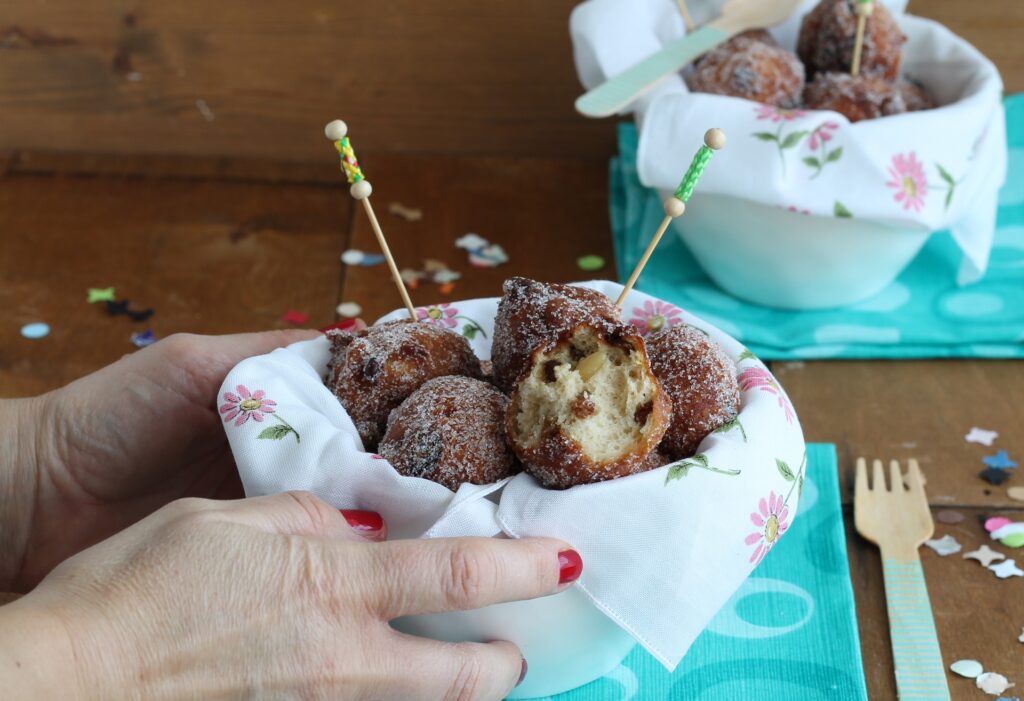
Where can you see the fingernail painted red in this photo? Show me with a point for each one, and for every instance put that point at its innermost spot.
(570, 566)
(365, 523)
(522, 674)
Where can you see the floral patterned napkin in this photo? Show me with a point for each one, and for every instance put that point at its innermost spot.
(661, 578)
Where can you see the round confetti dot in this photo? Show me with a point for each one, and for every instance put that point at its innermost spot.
(1014, 540)
(349, 310)
(949, 516)
(967, 668)
(352, 257)
(35, 330)
(995, 523)
(590, 263)
(1016, 493)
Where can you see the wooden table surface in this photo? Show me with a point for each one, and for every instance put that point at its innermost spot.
(228, 242)
(234, 247)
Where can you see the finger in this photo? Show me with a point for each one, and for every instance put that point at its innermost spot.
(447, 574)
(420, 669)
(301, 513)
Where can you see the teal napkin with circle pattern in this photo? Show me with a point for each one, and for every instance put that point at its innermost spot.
(790, 632)
(923, 314)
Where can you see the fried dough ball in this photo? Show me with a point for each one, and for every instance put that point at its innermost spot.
(855, 97)
(753, 66)
(827, 37)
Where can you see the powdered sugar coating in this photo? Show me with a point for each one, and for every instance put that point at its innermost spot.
(751, 65)
(451, 431)
(827, 37)
(856, 97)
(373, 371)
(700, 379)
(534, 313)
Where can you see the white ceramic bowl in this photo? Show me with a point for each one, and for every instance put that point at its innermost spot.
(566, 641)
(777, 258)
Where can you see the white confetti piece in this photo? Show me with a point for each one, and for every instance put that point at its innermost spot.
(946, 545)
(204, 109)
(352, 257)
(985, 555)
(981, 435)
(471, 242)
(407, 213)
(967, 668)
(1021, 638)
(443, 277)
(488, 257)
(35, 330)
(1006, 569)
(992, 683)
(349, 310)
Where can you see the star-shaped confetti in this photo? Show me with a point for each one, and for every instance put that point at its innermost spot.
(994, 476)
(985, 555)
(1007, 568)
(100, 294)
(116, 307)
(1000, 461)
(295, 317)
(946, 545)
(981, 435)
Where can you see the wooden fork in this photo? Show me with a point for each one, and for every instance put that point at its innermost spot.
(898, 520)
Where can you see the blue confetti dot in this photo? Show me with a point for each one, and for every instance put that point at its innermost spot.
(35, 330)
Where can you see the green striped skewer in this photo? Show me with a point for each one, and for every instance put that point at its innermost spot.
(714, 139)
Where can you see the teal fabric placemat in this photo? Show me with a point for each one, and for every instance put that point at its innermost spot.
(923, 314)
(790, 632)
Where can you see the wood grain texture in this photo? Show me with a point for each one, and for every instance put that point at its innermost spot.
(544, 213)
(890, 409)
(261, 79)
(210, 257)
(977, 615)
(229, 78)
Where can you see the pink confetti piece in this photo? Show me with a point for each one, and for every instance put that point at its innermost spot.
(996, 522)
(295, 317)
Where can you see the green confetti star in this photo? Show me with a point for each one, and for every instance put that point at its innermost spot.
(104, 294)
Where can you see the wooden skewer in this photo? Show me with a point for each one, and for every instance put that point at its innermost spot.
(863, 9)
(337, 131)
(714, 139)
(687, 19)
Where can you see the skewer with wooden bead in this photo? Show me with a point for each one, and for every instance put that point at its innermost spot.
(863, 9)
(714, 139)
(337, 132)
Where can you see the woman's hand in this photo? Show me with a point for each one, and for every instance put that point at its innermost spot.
(273, 597)
(114, 446)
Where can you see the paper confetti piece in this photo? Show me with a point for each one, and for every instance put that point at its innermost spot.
(994, 475)
(946, 545)
(1016, 493)
(488, 257)
(1021, 638)
(949, 516)
(349, 310)
(1007, 568)
(120, 308)
(996, 522)
(985, 555)
(1000, 461)
(141, 340)
(1011, 535)
(967, 668)
(140, 314)
(590, 263)
(446, 277)
(471, 242)
(35, 330)
(981, 435)
(447, 288)
(97, 294)
(407, 213)
(366, 260)
(295, 317)
(992, 683)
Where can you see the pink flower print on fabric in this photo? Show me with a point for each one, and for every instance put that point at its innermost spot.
(654, 316)
(821, 135)
(908, 180)
(246, 405)
(760, 379)
(772, 520)
(777, 114)
(440, 314)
